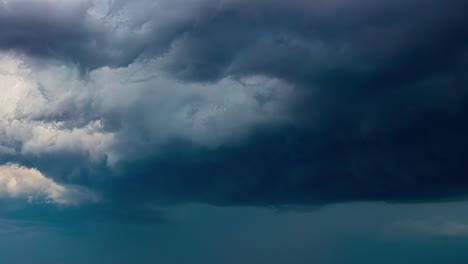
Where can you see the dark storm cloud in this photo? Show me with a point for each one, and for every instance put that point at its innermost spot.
(417, 163)
(382, 119)
(81, 33)
(382, 115)
(298, 40)
(51, 28)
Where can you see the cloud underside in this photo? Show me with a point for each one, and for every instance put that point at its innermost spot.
(238, 102)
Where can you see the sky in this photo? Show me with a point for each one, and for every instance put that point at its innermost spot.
(233, 131)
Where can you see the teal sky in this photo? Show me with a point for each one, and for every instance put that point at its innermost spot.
(342, 233)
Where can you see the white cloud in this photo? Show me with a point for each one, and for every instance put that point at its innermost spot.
(52, 109)
(41, 137)
(29, 183)
(42, 111)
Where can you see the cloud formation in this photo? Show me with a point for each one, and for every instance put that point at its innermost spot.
(239, 102)
(121, 108)
(37, 119)
(24, 183)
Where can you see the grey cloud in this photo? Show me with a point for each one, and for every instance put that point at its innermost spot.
(247, 102)
(79, 131)
(91, 34)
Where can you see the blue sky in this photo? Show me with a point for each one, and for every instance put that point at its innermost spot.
(233, 131)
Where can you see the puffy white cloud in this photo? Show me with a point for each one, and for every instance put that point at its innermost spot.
(40, 112)
(29, 183)
(41, 137)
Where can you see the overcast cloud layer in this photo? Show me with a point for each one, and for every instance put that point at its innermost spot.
(234, 102)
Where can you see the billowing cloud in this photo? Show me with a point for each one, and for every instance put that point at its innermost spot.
(127, 108)
(93, 34)
(27, 183)
(32, 115)
(239, 102)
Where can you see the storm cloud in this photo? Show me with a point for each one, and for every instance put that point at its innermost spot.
(239, 102)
